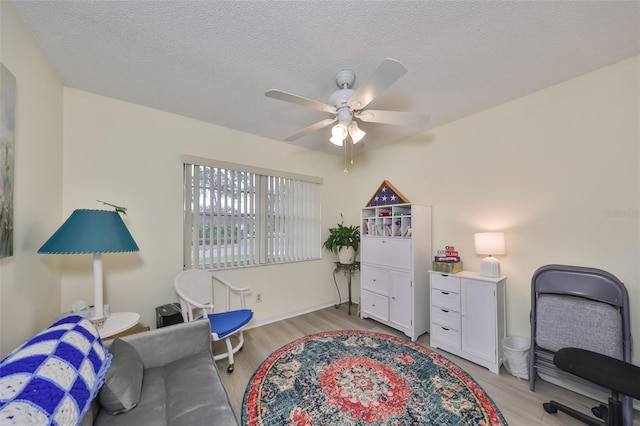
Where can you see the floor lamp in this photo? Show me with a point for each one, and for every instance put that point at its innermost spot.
(92, 232)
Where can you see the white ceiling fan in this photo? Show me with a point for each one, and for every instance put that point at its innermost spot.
(348, 105)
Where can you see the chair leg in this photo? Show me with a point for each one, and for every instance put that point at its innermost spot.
(553, 407)
(230, 354)
(240, 344)
(231, 349)
(615, 411)
(601, 411)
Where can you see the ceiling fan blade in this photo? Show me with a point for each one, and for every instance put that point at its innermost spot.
(309, 103)
(393, 117)
(387, 73)
(319, 125)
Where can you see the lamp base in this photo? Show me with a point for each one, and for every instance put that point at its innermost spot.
(97, 317)
(98, 322)
(490, 267)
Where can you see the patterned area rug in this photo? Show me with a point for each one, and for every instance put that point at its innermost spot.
(361, 378)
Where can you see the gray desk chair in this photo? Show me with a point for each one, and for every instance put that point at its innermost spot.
(619, 376)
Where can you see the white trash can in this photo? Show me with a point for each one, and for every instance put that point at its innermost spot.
(515, 351)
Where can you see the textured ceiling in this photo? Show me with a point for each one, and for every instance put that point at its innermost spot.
(213, 60)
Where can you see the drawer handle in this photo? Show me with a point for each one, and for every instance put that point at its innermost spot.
(444, 292)
(444, 328)
(444, 310)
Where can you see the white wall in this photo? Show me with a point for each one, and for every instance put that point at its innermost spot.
(131, 156)
(30, 283)
(557, 170)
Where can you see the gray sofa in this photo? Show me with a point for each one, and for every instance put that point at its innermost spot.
(180, 381)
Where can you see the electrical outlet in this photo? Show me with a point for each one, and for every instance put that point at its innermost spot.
(258, 297)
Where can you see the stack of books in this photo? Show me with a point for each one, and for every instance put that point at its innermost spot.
(447, 260)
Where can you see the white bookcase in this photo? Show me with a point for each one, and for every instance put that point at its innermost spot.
(468, 316)
(395, 249)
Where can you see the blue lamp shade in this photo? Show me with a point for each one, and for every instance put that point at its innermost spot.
(91, 231)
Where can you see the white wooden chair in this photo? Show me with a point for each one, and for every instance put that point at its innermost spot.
(195, 291)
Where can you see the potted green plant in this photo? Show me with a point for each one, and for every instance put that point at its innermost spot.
(344, 241)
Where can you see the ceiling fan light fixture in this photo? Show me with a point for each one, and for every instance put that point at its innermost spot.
(338, 134)
(356, 133)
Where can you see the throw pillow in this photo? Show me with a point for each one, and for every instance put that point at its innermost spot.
(123, 383)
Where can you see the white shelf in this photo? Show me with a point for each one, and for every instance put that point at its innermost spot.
(394, 221)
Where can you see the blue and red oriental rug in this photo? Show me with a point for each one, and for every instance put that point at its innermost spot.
(361, 378)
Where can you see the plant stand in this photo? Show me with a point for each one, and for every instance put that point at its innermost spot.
(348, 270)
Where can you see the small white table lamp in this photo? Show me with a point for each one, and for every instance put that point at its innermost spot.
(489, 243)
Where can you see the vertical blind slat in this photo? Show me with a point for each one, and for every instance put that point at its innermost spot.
(188, 217)
(208, 208)
(196, 209)
(281, 231)
(218, 190)
(227, 222)
(233, 218)
(272, 220)
(250, 219)
(241, 214)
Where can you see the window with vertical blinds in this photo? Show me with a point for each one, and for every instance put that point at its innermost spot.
(237, 216)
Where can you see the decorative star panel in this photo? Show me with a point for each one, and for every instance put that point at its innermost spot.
(387, 194)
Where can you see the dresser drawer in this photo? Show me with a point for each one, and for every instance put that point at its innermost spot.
(375, 279)
(374, 305)
(445, 317)
(445, 282)
(445, 299)
(445, 338)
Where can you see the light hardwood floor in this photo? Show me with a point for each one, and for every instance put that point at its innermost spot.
(512, 396)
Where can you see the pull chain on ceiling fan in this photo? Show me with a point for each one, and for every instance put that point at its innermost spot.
(348, 105)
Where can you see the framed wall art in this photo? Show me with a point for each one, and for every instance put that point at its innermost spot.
(7, 142)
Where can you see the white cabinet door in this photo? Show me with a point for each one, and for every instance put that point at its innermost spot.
(400, 311)
(478, 328)
(390, 252)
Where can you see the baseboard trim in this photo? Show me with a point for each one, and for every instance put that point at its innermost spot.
(291, 314)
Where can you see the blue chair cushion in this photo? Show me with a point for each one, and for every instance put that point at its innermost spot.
(225, 323)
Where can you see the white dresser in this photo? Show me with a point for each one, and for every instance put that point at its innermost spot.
(394, 248)
(468, 317)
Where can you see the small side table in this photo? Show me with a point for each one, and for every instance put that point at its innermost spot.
(118, 322)
(349, 270)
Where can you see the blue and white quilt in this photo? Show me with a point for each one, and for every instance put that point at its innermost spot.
(52, 378)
